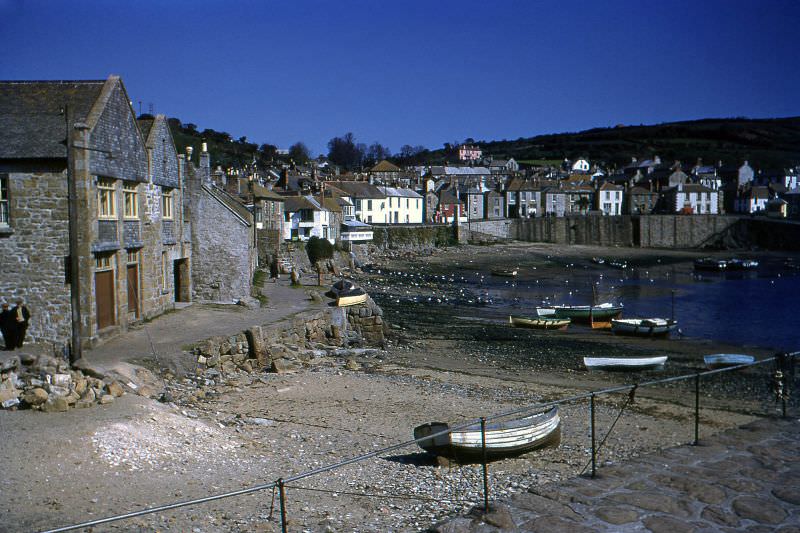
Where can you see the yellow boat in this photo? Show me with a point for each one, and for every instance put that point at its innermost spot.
(352, 297)
(539, 322)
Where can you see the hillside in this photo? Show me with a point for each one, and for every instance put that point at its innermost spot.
(767, 143)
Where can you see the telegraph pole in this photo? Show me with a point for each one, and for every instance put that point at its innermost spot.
(75, 352)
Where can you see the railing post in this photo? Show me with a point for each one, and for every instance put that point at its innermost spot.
(485, 467)
(696, 409)
(282, 494)
(594, 447)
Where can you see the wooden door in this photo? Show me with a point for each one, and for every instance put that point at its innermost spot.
(104, 295)
(133, 290)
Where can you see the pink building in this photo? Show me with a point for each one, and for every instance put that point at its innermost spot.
(469, 153)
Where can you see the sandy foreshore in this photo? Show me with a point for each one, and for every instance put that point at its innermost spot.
(252, 429)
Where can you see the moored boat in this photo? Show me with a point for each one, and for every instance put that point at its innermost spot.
(722, 360)
(506, 273)
(343, 285)
(354, 296)
(624, 363)
(582, 313)
(741, 264)
(643, 327)
(539, 322)
(503, 439)
(711, 265)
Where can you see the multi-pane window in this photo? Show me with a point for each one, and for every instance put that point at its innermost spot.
(4, 200)
(106, 198)
(166, 203)
(103, 262)
(131, 200)
(133, 257)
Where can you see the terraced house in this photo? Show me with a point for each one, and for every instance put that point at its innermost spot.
(122, 255)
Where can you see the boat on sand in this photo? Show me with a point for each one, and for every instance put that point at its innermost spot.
(624, 363)
(503, 439)
(643, 327)
(723, 360)
(539, 322)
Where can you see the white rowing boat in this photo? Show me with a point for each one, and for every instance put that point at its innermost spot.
(624, 363)
(503, 439)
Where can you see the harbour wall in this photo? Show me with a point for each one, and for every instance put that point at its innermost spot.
(650, 231)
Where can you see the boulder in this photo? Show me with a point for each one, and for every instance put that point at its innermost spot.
(106, 398)
(55, 404)
(284, 366)
(34, 397)
(114, 389)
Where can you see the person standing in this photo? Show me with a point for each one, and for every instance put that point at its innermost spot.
(22, 317)
(7, 327)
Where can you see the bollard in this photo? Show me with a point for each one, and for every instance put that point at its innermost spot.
(594, 448)
(696, 409)
(485, 467)
(282, 493)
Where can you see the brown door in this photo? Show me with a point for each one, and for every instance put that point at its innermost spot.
(133, 290)
(104, 292)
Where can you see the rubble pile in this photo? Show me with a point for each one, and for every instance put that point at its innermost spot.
(48, 384)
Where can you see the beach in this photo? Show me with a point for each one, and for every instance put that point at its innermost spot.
(450, 362)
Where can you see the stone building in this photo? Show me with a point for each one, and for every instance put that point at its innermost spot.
(268, 213)
(223, 237)
(126, 233)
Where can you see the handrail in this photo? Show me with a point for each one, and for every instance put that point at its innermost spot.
(359, 458)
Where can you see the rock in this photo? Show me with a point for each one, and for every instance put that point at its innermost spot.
(10, 364)
(498, 516)
(228, 367)
(61, 380)
(284, 366)
(789, 494)
(8, 404)
(35, 396)
(106, 398)
(72, 397)
(83, 404)
(758, 510)
(84, 366)
(55, 404)
(352, 364)
(259, 421)
(80, 385)
(58, 390)
(27, 359)
(247, 366)
(114, 389)
(8, 394)
(89, 395)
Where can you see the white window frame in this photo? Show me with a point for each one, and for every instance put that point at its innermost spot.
(5, 211)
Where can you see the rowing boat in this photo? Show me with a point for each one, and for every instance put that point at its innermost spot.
(503, 439)
(624, 363)
(582, 313)
(643, 327)
(506, 273)
(722, 360)
(539, 322)
(354, 296)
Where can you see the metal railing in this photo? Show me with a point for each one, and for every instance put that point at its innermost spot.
(781, 382)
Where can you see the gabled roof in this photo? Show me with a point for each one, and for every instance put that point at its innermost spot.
(611, 187)
(32, 121)
(395, 192)
(292, 204)
(262, 192)
(447, 196)
(520, 184)
(641, 190)
(233, 204)
(385, 166)
(357, 189)
(460, 171)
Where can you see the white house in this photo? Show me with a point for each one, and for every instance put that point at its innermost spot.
(403, 206)
(369, 202)
(609, 199)
(692, 198)
(305, 217)
(753, 199)
(581, 165)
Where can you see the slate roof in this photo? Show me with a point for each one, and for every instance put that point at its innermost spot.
(32, 121)
(459, 171)
(357, 189)
(145, 124)
(232, 203)
(292, 204)
(262, 192)
(404, 193)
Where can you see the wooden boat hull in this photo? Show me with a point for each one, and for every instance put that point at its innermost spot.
(724, 360)
(653, 327)
(348, 299)
(503, 439)
(624, 363)
(504, 273)
(539, 322)
(582, 313)
(710, 265)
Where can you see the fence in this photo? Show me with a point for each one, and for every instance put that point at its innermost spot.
(781, 380)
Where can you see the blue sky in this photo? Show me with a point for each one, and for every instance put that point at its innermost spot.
(417, 72)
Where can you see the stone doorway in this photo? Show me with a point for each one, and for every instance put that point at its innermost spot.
(180, 273)
(104, 291)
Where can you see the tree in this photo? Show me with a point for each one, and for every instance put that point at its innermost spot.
(377, 152)
(268, 151)
(299, 153)
(344, 151)
(317, 250)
